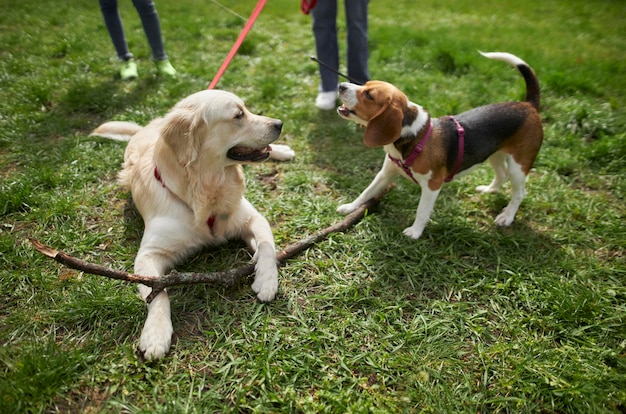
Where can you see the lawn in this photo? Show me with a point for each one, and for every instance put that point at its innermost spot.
(470, 318)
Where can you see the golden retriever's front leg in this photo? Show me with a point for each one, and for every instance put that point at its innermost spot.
(156, 335)
(258, 235)
(154, 260)
(266, 272)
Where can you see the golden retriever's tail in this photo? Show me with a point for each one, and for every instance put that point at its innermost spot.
(533, 94)
(117, 130)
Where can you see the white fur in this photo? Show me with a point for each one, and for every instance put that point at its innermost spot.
(189, 147)
(385, 176)
(419, 123)
(504, 57)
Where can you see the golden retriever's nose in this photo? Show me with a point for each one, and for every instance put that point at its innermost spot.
(278, 125)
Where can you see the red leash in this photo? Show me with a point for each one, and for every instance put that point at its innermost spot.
(255, 13)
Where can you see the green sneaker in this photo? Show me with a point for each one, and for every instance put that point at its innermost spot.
(165, 69)
(128, 70)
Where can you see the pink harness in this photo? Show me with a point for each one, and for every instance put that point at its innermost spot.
(210, 222)
(459, 158)
(405, 165)
(416, 151)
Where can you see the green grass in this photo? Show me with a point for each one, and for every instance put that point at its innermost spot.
(470, 318)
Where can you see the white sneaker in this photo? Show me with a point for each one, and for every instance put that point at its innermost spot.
(326, 100)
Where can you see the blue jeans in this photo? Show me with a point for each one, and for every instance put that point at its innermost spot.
(149, 20)
(327, 48)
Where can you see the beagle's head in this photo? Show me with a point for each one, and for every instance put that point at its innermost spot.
(379, 106)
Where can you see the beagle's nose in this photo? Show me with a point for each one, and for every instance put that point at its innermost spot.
(342, 87)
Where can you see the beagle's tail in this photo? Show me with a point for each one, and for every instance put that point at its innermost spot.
(533, 94)
(117, 130)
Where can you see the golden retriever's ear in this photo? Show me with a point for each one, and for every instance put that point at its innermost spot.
(181, 133)
(386, 126)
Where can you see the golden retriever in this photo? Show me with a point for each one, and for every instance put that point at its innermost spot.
(185, 176)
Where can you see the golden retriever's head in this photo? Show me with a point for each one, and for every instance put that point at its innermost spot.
(216, 126)
(379, 106)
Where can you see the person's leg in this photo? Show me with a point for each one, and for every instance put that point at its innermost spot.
(113, 22)
(151, 27)
(325, 30)
(358, 50)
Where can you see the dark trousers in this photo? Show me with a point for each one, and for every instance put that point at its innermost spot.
(149, 20)
(325, 31)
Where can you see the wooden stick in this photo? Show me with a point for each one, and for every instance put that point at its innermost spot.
(226, 278)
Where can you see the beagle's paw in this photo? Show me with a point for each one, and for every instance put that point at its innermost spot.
(413, 232)
(505, 218)
(482, 189)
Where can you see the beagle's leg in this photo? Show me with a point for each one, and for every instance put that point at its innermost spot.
(384, 177)
(498, 162)
(424, 209)
(518, 186)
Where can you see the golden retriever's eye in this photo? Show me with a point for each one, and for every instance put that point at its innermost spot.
(239, 114)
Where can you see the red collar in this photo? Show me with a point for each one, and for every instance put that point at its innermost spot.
(157, 175)
(211, 220)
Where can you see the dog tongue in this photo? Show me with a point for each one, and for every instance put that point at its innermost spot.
(248, 154)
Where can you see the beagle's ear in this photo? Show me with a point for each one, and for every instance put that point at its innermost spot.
(182, 134)
(386, 126)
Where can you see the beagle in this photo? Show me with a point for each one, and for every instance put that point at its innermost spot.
(433, 151)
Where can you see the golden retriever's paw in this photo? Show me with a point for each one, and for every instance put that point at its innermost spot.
(346, 208)
(266, 272)
(281, 152)
(156, 339)
(265, 287)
